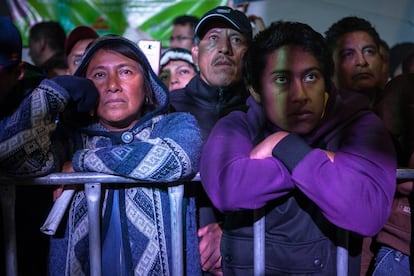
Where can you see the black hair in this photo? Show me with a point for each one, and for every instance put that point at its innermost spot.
(186, 20)
(348, 25)
(407, 63)
(281, 33)
(52, 32)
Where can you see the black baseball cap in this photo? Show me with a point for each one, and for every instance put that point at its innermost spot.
(223, 14)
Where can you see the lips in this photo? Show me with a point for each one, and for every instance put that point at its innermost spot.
(301, 115)
(362, 76)
(113, 101)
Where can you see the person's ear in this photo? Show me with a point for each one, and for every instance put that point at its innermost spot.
(20, 71)
(194, 53)
(256, 96)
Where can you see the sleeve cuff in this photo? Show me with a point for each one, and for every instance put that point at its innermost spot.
(291, 150)
(77, 161)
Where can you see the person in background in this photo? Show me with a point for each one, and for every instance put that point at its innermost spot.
(355, 46)
(46, 47)
(130, 134)
(392, 246)
(222, 37)
(29, 119)
(301, 152)
(257, 22)
(408, 64)
(76, 42)
(398, 53)
(177, 68)
(359, 67)
(182, 35)
(384, 51)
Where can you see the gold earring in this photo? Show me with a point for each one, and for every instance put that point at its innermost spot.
(325, 100)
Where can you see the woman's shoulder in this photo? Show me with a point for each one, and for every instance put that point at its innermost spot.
(179, 116)
(175, 121)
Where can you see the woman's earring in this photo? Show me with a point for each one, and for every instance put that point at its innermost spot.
(325, 100)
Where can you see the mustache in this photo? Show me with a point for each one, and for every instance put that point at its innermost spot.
(222, 60)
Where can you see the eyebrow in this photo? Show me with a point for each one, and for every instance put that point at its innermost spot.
(121, 65)
(364, 47)
(307, 70)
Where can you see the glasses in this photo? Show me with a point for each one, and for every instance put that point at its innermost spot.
(180, 38)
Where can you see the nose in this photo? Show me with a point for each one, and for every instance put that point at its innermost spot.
(113, 84)
(360, 60)
(174, 79)
(299, 93)
(225, 46)
(173, 84)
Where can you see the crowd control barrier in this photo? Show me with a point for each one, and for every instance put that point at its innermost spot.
(92, 186)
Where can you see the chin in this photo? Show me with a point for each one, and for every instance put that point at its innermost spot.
(303, 130)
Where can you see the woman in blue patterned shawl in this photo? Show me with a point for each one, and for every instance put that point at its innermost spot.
(133, 136)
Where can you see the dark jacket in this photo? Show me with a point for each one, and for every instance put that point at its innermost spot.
(207, 104)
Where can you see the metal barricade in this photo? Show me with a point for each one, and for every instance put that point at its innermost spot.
(342, 249)
(92, 185)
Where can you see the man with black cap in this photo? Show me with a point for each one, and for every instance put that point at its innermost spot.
(221, 39)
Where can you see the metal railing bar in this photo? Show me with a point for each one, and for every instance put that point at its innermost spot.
(92, 182)
(79, 178)
(93, 198)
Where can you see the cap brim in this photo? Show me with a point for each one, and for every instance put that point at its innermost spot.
(210, 20)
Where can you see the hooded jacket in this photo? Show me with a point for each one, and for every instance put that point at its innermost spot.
(160, 148)
(306, 197)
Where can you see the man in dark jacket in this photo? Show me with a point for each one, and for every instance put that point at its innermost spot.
(221, 39)
(355, 46)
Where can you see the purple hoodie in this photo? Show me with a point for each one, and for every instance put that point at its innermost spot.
(354, 192)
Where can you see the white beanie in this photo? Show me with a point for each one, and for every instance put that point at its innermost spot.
(176, 54)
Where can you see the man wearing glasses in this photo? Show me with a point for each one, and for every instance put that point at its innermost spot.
(182, 35)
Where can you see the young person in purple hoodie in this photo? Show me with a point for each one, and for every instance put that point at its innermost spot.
(316, 160)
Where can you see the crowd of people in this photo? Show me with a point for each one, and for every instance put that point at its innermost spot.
(308, 127)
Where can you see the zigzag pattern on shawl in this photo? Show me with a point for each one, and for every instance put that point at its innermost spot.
(160, 164)
(146, 228)
(78, 247)
(25, 138)
(160, 160)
